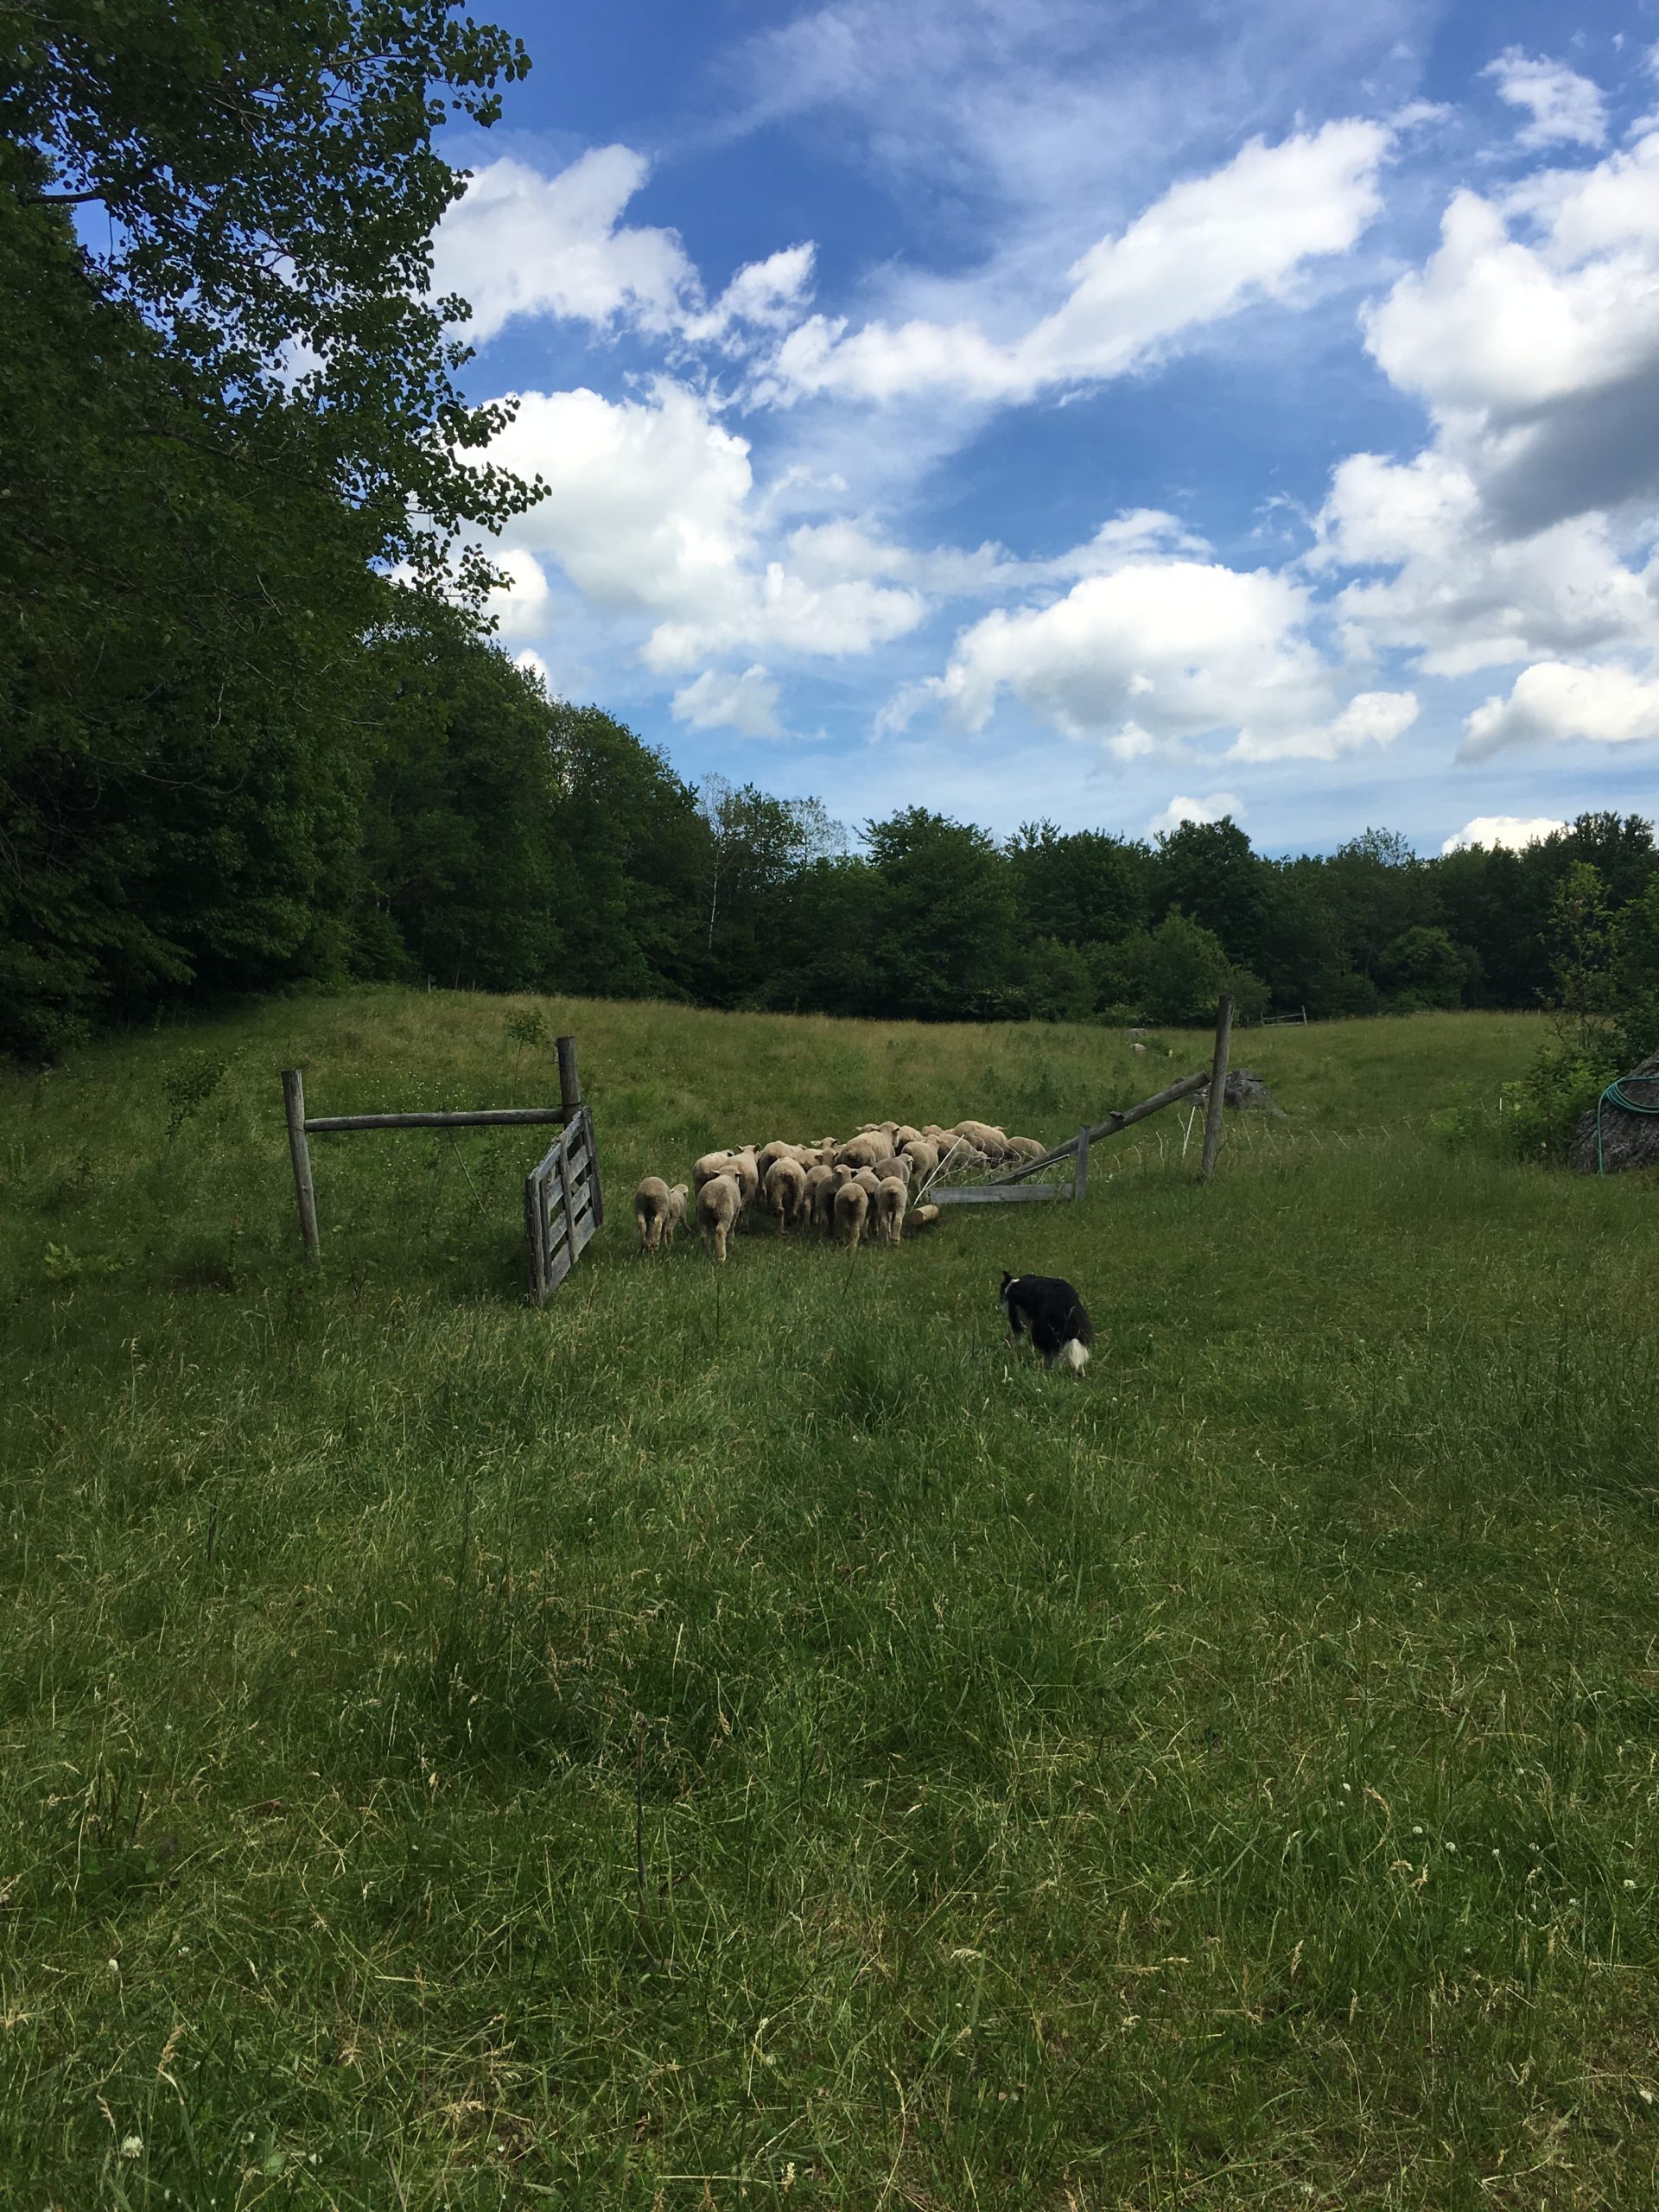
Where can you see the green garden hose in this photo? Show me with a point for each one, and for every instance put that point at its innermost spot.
(1615, 1091)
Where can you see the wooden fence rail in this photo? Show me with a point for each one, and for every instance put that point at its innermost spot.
(563, 1203)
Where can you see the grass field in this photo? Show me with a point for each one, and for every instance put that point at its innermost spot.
(744, 1737)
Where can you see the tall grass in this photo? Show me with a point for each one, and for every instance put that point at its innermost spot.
(746, 1736)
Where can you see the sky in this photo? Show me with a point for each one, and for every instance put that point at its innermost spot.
(1091, 411)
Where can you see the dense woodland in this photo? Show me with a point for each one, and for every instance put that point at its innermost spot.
(253, 729)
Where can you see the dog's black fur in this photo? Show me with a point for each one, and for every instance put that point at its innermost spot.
(1053, 1314)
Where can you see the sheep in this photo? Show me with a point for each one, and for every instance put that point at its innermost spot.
(659, 1212)
(891, 1200)
(851, 1208)
(923, 1155)
(786, 1190)
(718, 1202)
(863, 1150)
(877, 1128)
(1027, 1147)
(896, 1166)
(867, 1181)
(991, 1141)
(818, 1195)
(711, 1164)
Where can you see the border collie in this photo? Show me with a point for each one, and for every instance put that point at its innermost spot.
(1053, 1314)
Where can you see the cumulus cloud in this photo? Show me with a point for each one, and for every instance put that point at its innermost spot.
(747, 704)
(1565, 109)
(650, 513)
(521, 609)
(1510, 833)
(521, 243)
(1461, 596)
(532, 664)
(1181, 810)
(1553, 703)
(1157, 653)
(1206, 247)
(1538, 357)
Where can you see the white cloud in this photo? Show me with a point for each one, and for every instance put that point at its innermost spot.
(1510, 833)
(521, 609)
(1181, 810)
(1462, 597)
(1157, 653)
(1554, 703)
(1539, 357)
(1565, 108)
(1209, 245)
(747, 704)
(650, 513)
(1369, 718)
(522, 244)
(532, 664)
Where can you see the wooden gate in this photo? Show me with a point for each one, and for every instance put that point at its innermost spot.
(563, 1205)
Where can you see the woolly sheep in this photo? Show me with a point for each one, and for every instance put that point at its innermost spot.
(786, 1190)
(904, 1134)
(851, 1209)
(867, 1181)
(891, 1199)
(659, 1211)
(898, 1165)
(819, 1195)
(1027, 1147)
(923, 1155)
(863, 1150)
(718, 1202)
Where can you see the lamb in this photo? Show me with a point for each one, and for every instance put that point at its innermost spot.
(904, 1134)
(819, 1195)
(718, 1202)
(896, 1166)
(659, 1211)
(852, 1207)
(890, 1202)
(867, 1181)
(786, 1190)
(923, 1155)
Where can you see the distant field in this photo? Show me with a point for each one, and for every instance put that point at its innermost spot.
(743, 1736)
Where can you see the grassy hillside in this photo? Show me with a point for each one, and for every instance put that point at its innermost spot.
(744, 1736)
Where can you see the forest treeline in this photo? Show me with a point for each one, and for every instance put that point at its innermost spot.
(254, 731)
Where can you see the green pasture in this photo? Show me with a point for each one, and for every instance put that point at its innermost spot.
(744, 1736)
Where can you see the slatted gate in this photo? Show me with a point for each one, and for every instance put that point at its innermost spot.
(563, 1205)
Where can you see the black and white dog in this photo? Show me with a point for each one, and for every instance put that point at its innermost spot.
(1054, 1315)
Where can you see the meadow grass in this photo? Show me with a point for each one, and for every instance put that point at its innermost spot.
(745, 1736)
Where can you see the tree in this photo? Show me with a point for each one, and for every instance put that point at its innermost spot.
(1174, 973)
(1580, 954)
(192, 511)
(946, 918)
(1084, 888)
(1423, 968)
(1208, 871)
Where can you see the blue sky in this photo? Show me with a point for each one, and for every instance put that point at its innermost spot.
(1096, 411)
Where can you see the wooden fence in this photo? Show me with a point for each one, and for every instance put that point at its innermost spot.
(564, 1204)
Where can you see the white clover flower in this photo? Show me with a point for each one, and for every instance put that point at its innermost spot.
(132, 2146)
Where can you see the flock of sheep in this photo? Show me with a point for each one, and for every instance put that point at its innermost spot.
(850, 1191)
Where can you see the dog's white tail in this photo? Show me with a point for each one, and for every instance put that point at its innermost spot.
(1073, 1355)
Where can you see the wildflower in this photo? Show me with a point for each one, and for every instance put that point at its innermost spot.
(1452, 1846)
(132, 2146)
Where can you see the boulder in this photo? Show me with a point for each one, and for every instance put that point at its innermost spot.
(1245, 1090)
(1627, 1140)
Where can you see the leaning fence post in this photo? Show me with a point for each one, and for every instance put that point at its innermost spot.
(569, 1082)
(294, 1106)
(1080, 1181)
(1218, 1087)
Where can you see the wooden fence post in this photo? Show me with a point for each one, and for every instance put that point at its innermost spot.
(569, 1082)
(1080, 1183)
(1218, 1087)
(294, 1106)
